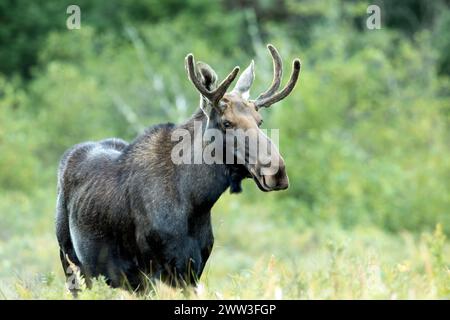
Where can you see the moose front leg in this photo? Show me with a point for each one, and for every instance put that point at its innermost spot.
(196, 261)
(176, 260)
(185, 263)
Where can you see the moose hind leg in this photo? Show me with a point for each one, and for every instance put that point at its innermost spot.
(103, 258)
(74, 273)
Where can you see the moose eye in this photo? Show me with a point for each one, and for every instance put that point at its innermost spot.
(227, 124)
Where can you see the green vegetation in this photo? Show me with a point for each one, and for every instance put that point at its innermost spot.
(365, 136)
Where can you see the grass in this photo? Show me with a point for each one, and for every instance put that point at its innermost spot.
(261, 252)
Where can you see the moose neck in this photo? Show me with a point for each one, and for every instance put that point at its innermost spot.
(198, 186)
(208, 181)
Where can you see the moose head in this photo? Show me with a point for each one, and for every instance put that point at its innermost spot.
(235, 113)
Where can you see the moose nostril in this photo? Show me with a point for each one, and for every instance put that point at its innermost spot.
(281, 178)
(276, 181)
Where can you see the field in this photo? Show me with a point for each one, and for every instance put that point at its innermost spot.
(261, 252)
(365, 135)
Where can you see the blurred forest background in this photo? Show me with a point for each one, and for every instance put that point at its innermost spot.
(365, 135)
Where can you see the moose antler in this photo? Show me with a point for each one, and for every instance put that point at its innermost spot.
(215, 95)
(270, 96)
(277, 73)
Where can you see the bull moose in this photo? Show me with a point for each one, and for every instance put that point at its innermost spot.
(127, 212)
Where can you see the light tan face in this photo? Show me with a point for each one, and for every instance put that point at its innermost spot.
(238, 113)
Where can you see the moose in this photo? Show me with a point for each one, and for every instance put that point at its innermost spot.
(127, 212)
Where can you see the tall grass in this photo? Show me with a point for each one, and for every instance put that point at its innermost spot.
(258, 254)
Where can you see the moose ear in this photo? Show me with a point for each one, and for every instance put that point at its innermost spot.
(208, 79)
(207, 75)
(245, 81)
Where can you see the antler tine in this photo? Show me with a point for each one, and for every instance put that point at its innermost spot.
(277, 73)
(223, 86)
(286, 90)
(190, 66)
(215, 95)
